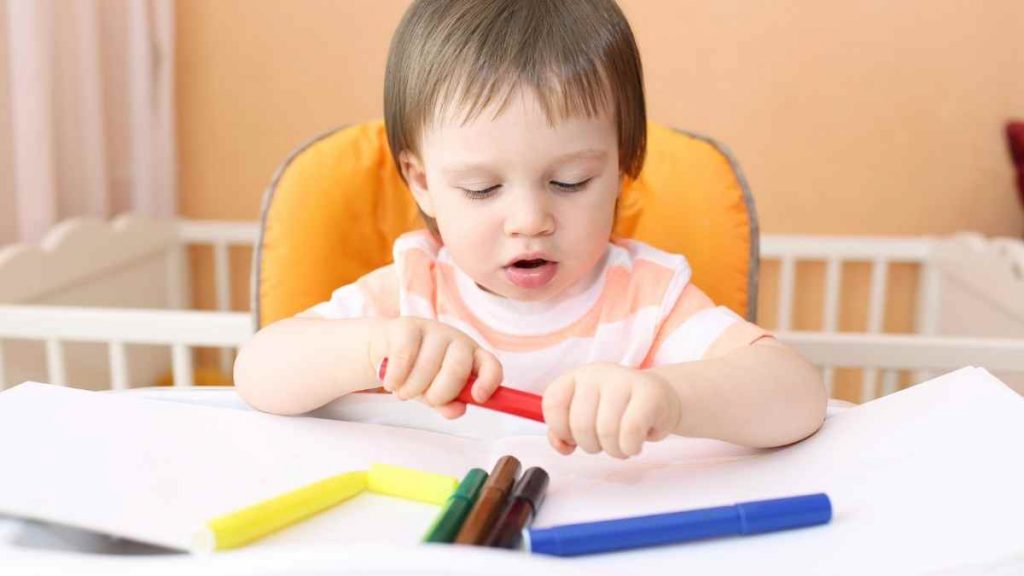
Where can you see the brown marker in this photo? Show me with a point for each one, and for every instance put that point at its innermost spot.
(491, 502)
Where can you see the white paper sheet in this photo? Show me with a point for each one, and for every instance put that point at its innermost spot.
(925, 480)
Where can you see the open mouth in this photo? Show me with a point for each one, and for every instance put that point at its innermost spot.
(530, 264)
(531, 272)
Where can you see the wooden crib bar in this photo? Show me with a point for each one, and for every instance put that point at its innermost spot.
(184, 329)
(835, 251)
(181, 330)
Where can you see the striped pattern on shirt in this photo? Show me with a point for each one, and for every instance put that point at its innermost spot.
(639, 309)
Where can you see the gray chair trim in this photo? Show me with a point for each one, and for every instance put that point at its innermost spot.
(748, 200)
(753, 278)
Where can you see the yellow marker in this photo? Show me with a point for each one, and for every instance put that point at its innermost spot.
(411, 484)
(243, 526)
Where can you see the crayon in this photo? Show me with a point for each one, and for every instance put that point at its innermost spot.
(526, 499)
(410, 484)
(243, 526)
(490, 503)
(454, 513)
(643, 531)
(507, 400)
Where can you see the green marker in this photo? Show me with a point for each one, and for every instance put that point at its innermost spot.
(447, 524)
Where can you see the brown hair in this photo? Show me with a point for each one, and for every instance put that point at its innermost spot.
(575, 55)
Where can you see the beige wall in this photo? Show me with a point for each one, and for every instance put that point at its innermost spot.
(871, 117)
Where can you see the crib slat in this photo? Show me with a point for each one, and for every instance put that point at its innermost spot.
(181, 365)
(118, 365)
(3, 367)
(222, 270)
(876, 317)
(787, 277)
(177, 278)
(55, 367)
(831, 312)
(927, 319)
(227, 360)
(928, 300)
(876, 306)
(868, 384)
(832, 279)
(890, 381)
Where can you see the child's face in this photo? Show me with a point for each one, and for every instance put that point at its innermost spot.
(524, 208)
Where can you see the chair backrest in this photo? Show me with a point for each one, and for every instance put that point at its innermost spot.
(336, 205)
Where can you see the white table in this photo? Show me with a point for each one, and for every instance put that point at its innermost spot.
(40, 549)
(54, 548)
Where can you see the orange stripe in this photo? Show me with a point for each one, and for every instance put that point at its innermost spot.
(623, 295)
(691, 301)
(418, 271)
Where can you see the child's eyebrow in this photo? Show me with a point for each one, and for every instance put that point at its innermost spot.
(466, 170)
(585, 154)
(476, 168)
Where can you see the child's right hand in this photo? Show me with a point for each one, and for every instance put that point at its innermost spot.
(431, 361)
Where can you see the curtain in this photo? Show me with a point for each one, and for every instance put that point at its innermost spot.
(86, 111)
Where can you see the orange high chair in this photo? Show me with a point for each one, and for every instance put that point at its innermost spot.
(337, 203)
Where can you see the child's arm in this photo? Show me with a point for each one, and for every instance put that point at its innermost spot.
(760, 395)
(299, 364)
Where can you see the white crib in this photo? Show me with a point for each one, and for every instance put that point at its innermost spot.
(107, 305)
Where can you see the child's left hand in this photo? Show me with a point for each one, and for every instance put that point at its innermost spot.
(609, 407)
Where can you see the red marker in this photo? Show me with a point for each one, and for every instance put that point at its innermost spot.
(507, 400)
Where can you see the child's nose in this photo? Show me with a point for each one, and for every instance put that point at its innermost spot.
(529, 215)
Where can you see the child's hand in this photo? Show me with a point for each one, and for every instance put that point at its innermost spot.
(431, 361)
(609, 407)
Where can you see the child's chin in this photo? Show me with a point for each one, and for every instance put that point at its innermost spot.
(520, 294)
(546, 292)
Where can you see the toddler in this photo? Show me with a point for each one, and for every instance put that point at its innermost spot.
(516, 124)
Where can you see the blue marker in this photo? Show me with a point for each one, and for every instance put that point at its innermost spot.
(643, 531)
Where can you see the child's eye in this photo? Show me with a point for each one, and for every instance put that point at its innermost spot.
(480, 194)
(571, 187)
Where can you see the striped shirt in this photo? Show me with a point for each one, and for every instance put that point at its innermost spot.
(639, 309)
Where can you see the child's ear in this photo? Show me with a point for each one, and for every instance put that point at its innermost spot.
(416, 178)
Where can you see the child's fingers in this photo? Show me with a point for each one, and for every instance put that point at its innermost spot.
(583, 416)
(614, 400)
(561, 446)
(451, 377)
(404, 339)
(428, 362)
(451, 410)
(638, 420)
(489, 374)
(555, 406)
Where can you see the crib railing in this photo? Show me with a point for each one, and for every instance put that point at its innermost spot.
(835, 252)
(878, 354)
(185, 330)
(181, 330)
(894, 353)
(221, 236)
